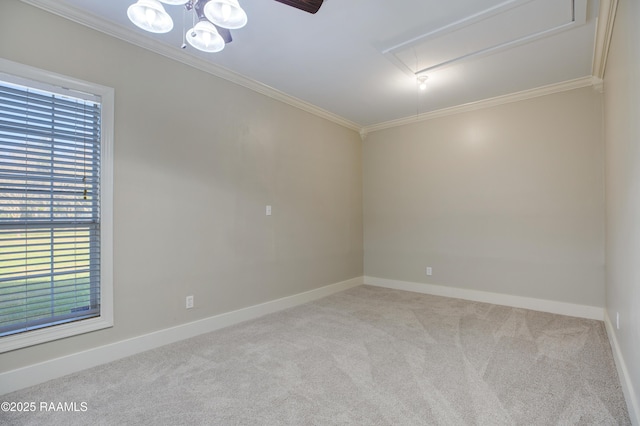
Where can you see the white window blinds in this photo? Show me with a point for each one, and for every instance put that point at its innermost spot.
(49, 207)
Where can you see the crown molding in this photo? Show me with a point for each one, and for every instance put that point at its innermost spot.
(604, 30)
(487, 103)
(179, 55)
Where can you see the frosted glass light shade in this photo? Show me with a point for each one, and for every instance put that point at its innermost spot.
(204, 36)
(150, 16)
(225, 14)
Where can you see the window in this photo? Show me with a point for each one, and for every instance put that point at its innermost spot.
(55, 206)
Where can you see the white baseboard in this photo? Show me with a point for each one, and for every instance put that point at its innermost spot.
(551, 306)
(623, 374)
(20, 378)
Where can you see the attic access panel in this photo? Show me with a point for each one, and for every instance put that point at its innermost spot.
(505, 26)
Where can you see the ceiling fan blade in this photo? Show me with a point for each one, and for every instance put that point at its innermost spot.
(311, 6)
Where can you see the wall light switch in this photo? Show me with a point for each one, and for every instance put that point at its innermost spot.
(268, 211)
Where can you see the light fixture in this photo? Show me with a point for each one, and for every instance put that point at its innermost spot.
(210, 17)
(150, 16)
(225, 13)
(422, 82)
(204, 36)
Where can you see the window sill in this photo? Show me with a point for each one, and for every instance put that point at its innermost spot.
(35, 337)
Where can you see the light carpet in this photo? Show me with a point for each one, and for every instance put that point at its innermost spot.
(365, 356)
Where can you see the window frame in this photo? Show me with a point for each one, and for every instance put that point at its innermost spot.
(42, 79)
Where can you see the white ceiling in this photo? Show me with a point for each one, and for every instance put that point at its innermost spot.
(355, 59)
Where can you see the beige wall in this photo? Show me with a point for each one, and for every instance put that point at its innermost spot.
(196, 161)
(622, 139)
(508, 199)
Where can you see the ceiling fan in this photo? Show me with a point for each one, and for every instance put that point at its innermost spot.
(212, 19)
(311, 6)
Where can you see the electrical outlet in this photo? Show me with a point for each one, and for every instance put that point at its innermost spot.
(617, 320)
(189, 302)
(429, 271)
(268, 211)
